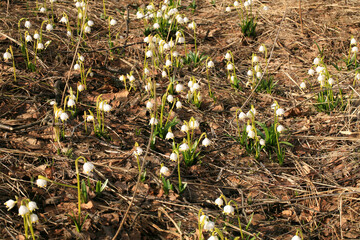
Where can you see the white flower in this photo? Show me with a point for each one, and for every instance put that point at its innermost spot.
(255, 59)
(63, 20)
(166, 46)
(206, 142)
(192, 25)
(138, 151)
(242, 116)
(113, 22)
(107, 107)
(257, 68)
(81, 58)
(171, 43)
(164, 74)
(150, 7)
(179, 87)
(316, 61)
(41, 183)
(266, 8)
(331, 81)
(262, 48)
(49, 27)
(246, 4)
(229, 210)
(156, 26)
(23, 210)
(27, 24)
(280, 112)
(210, 64)
(175, 54)
(186, 20)
(153, 121)
(209, 225)
(168, 63)
(258, 75)
(280, 128)
(42, 10)
(90, 23)
(149, 54)
(236, 4)
(196, 86)
(170, 98)
(90, 118)
(251, 134)
(184, 128)
(228, 9)
(203, 218)
(40, 46)
(149, 105)
(354, 49)
(219, 202)
(296, 237)
(181, 40)
(194, 124)
(173, 157)
(353, 41)
(262, 142)
(169, 135)
(165, 171)
(81, 88)
(10, 204)
(87, 29)
(69, 34)
(34, 218)
(302, 85)
(28, 38)
(213, 238)
(228, 56)
(321, 78)
(36, 36)
(319, 69)
(32, 206)
(178, 105)
(357, 76)
(7, 56)
(131, 78)
(248, 128)
(64, 116)
(139, 15)
(71, 103)
(88, 167)
(184, 147)
(311, 72)
(230, 67)
(78, 4)
(77, 67)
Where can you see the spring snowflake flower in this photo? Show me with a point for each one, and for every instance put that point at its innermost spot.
(153, 121)
(236, 4)
(296, 237)
(169, 135)
(49, 27)
(156, 26)
(228, 9)
(131, 78)
(210, 64)
(28, 38)
(63, 20)
(194, 124)
(7, 56)
(257, 68)
(203, 218)
(23, 210)
(78, 4)
(219, 202)
(81, 58)
(81, 88)
(42, 10)
(168, 63)
(77, 67)
(10, 204)
(69, 34)
(280, 128)
(255, 59)
(262, 48)
(354, 49)
(165, 171)
(179, 87)
(164, 74)
(178, 105)
(186, 20)
(184, 128)
(64, 116)
(90, 23)
(27, 24)
(206, 142)
(311, 72)
(173, 157)
(34, 218)
(280, 112)
(228, 56)
(87, 29)
(251, 134)
(32, 206)
(90, 118)
(230, 67)
(138, 151)
(139, 15)
(229, 210)
(319, 69)
(331, 81)
(321, 78)
(209, 226)
(107, 107)
(88, 167)
(242, 116)
(170, 98)
(213, 238)
(41, 183)
(149, 54)
(40, 46)
(262, 142)
(353, 41)
(192, 25)
(316, 61)
(71, 103)
(258, 75)
(149, 105)
(36, 36)
(302, 85)
(184, 147)
(181, 40)
(113, 22)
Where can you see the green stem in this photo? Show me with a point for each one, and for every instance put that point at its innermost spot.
(12, 55)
